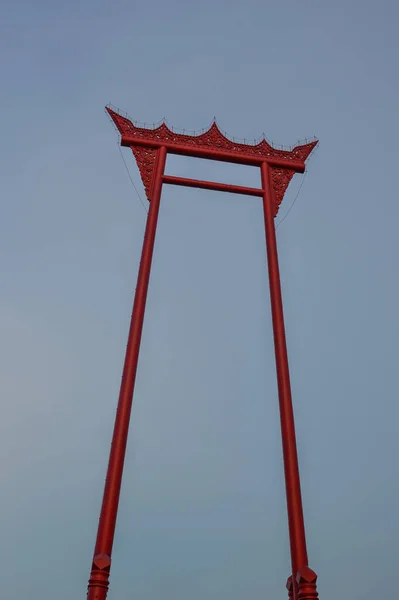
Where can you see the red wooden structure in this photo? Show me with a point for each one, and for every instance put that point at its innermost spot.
(150, 148)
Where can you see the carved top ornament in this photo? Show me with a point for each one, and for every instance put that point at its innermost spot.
(213, 139)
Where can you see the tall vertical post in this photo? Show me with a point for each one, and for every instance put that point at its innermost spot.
(300, 586)
(99, 577)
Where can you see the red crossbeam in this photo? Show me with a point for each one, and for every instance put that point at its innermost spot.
(212, 185)
(215, 154)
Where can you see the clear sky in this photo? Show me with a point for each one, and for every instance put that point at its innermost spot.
(202, 511)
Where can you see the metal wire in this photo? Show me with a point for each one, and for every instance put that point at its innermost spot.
(131, 180)
(299, 190)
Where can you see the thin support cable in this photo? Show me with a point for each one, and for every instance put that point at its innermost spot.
(292, 205)
(131, 180)
(299, 190)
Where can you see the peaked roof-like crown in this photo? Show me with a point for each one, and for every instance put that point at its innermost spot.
(140, 139)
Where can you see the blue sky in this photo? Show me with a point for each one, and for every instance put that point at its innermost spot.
(202, 510)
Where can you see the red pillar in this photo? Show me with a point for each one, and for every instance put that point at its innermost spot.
(299, 558)
(99, 577)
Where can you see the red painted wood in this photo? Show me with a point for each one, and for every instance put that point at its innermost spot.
(150, 148)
